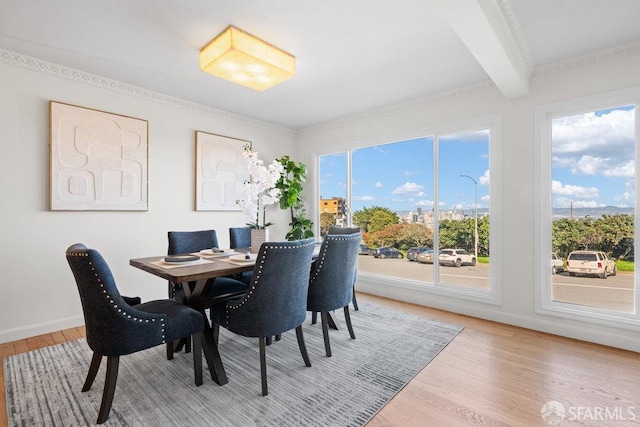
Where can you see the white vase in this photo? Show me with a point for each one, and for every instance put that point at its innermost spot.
(258, 237)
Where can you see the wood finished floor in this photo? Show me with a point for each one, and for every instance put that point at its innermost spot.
(491, 374)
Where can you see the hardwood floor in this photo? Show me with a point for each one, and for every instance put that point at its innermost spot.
(491, 374)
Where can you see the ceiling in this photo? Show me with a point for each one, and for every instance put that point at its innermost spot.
(352, 56)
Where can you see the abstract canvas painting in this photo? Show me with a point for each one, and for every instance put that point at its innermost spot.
(221, 172)
(98, 160)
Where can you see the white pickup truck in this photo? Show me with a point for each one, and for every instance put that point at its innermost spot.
(591, 262)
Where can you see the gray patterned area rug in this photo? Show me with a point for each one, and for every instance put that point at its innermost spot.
(347, 389)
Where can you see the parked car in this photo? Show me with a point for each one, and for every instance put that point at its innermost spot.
(557, 263)
(591, 262)
(425, 257)
(364, 250)
(456, 257)
(387, 253)
(412, 253)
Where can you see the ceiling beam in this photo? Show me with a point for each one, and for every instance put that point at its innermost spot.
(483, 29)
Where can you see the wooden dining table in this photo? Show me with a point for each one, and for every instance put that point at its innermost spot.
(201, 273)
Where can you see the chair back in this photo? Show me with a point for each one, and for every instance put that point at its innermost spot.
(277, 297)
(239, 237)
(332, 276)
(113, 326)
(184, 242)
(334, 229)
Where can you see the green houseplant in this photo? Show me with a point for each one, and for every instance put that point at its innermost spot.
(290, 185)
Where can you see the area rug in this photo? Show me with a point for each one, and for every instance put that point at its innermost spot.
(347, 389)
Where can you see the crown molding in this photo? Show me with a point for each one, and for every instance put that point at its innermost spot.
(78, 76)
(513, 24)
(440, 98)
(594, 58)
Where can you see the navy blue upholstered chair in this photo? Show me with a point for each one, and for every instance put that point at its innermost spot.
(331, 281)
(223, 288)
(276, 301)
(115, 328)
(348, 230)
(240, 237)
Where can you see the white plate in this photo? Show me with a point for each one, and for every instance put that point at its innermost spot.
(182, 262)
(210, 253)
(241, 258)
(187, 259)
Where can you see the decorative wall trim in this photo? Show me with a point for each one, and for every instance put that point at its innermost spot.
(61, 71)
(443, 97)
(594, 58)
(513, 23)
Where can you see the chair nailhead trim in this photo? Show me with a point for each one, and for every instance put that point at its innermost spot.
(328, 239)
(257, 275)
(115, 306)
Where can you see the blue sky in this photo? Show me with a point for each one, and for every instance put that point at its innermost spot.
(593, 159)
(400, 175)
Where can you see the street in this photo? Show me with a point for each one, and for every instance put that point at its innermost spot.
(615, 292)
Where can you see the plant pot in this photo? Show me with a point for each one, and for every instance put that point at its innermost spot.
(258, 237)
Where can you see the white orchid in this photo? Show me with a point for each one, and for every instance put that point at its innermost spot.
(260, 190)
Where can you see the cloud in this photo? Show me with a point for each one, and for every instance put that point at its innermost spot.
(411, 173)
(563, 202)
(378, 184)
(626, 199)
(363, 198)
(484, 179)
(573, 191)
(408, 188)
(595, 143)
(425, 203)
(485, 199)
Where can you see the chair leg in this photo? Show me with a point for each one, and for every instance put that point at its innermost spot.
(324, 316)
(93, 371)
(347, 318)
(278, 337)
(263, 364)
(314, 317)
(197, 357)
(353, 299)
(109, 388)
(170, 346)
(303, 348)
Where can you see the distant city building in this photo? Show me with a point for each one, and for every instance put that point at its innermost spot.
(334, 205)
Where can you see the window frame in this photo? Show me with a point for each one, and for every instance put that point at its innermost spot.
(491, 122)
(544, 114)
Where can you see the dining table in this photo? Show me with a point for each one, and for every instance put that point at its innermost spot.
(200, 271)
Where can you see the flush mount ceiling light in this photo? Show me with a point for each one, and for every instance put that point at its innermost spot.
(244, 59)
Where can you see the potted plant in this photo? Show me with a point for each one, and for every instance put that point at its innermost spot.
(260, 191)
(290, 186)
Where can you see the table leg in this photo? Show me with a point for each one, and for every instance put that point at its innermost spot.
(209, 345)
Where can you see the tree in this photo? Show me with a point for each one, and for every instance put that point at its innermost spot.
(385, 217)
(326, 221)
(415, 234)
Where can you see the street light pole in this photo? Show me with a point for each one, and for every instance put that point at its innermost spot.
(475, 217)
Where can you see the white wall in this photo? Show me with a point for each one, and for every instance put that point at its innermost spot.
(38, 291)
(39, 294)
(585, 77)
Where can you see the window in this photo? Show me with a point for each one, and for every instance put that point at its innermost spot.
(588, 209)
(418, 201)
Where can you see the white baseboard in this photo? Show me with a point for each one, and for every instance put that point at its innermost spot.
(611, 337)
(40, 329)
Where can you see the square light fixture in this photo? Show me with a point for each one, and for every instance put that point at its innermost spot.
(244, 59)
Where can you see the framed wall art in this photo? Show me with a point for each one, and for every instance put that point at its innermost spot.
(98, 160)
(221, 172)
